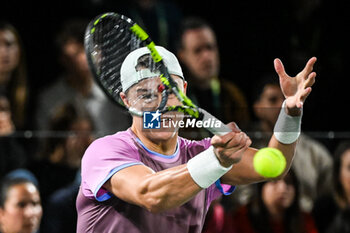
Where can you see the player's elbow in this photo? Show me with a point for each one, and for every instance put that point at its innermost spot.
(154, 201)
(154, 205)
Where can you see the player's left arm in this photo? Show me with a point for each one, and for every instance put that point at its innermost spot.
(296, 90)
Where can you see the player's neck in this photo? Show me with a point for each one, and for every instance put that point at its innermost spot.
(165, 147)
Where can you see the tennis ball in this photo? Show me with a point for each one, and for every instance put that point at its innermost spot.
(269, 162)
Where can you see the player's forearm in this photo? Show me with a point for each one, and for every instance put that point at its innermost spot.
(244, 173)
(286, 132)
(288, 151)
(167, 189)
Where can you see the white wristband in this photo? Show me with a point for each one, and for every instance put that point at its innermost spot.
(205, 169)
(287, 128)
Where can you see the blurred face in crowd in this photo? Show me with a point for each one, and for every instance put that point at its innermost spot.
(267, 108)
(22, 209)
(6, 125)
(74, 59)
(345, 173)
(78, 142)
(200, 53)
(9, 52)
(278, 195)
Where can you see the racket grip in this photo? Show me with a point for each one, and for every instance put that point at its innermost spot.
(219, 128)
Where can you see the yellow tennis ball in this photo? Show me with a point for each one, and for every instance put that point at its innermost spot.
(269, 162)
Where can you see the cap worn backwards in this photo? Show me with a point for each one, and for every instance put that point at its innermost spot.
(129, 75)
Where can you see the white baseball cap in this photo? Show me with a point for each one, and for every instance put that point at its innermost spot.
(130, 76)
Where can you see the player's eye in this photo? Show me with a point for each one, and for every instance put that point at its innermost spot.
(149, 97)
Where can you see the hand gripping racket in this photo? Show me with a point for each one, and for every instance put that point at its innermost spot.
(109, 38)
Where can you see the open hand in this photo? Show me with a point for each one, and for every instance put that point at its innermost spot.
(296, 89)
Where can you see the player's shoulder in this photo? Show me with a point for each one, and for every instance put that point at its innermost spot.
(119, 141)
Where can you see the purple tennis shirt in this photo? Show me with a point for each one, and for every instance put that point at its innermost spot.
(100, 211)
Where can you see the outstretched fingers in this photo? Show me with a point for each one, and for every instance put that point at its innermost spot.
(279, 68)
(305, 93)
(308, 67)
(310, 80)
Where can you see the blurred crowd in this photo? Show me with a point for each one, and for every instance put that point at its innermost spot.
(51, 109)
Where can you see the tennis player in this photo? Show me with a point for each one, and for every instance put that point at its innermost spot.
(150, 181)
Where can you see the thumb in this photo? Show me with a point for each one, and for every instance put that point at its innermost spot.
(279, 68)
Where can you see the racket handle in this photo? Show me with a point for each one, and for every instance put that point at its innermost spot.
(222, 130)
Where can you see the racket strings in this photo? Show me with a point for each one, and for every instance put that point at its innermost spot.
(110, 40)
(114, 50)
(113, 41)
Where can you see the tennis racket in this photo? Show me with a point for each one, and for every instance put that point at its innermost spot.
(109, 38)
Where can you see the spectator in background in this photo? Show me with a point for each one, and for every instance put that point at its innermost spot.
(20, 205)
(331, 212)
(60, 158)
(199, 54)
(12, 155)
(159, 18)
(60, 211)
(77, 85)
(13, 73)
(275, 210)
(312, 163)
(6, 125)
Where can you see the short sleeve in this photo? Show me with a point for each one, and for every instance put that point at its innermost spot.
(103, 159)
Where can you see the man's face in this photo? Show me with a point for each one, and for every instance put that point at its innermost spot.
(200, 53)
(145, 96)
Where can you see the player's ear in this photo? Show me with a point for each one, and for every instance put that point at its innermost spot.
(125, 99)
(185, 87)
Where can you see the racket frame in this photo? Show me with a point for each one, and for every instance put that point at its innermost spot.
(169, 84)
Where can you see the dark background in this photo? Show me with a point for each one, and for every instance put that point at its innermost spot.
(250, 35)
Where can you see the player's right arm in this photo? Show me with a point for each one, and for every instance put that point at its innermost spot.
(163, 190)
(155, 191)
